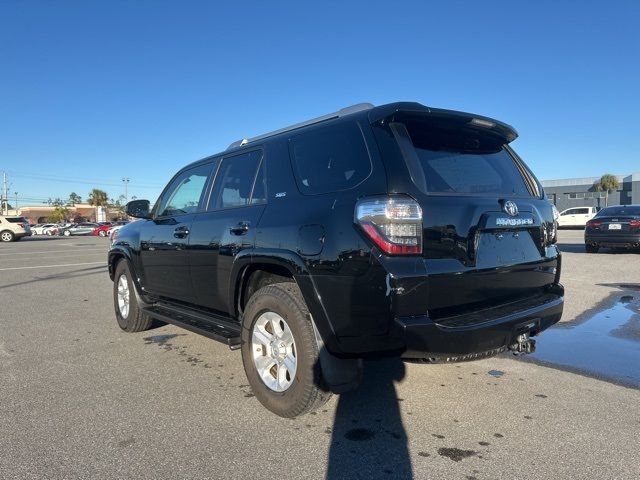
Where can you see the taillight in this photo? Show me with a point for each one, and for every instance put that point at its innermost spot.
(394, 223)
(114, 234)
(634, 223)
(593, 224)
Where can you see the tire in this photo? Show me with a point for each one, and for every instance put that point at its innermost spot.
(286, 395)
(34, 233)
(591, 248)
(67, 233)
(131, 319)
(102, 233)
(7, 236)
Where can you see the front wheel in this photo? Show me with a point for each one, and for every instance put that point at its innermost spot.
(280, 352)
(7, 236)
(102, 233)
(67, 233)
(128, 314)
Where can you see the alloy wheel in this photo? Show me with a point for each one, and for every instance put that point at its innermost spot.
(274, 351)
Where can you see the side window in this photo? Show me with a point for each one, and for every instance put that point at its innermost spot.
(330, 158)
(582, 211)
(185, 192)
(234, 181)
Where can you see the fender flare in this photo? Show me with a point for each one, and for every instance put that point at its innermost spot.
(296, 266)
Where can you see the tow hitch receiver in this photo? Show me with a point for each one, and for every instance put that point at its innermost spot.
(523, 344)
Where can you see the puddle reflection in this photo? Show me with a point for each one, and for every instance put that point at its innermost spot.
(606, 345)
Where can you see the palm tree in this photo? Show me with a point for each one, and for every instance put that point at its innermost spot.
(608, 183)
(98, 198)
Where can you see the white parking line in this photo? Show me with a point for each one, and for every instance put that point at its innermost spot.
(56, 251)
(52, 266)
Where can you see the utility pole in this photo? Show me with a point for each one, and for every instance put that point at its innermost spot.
(5, 195)
(15, 207)
(125, 180)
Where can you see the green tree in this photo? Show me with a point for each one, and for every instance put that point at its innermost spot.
(608, 183)
(59, 214)
(98, 198)
(74, 198)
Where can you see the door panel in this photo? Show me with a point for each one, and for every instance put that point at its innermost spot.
(164, 259)
(215, 239)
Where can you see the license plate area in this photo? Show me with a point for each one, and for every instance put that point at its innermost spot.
(615, 226)
(498, 248)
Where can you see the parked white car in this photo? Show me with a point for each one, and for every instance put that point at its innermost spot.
(576, 217)
(41, 229)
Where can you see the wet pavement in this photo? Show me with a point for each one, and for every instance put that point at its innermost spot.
(605, 345)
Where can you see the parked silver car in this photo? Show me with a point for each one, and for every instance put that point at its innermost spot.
(85, 228)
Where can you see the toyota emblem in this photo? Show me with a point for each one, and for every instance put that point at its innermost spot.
(510, 208)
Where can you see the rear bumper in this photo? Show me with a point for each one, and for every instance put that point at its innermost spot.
(605, 239)
(477, 334)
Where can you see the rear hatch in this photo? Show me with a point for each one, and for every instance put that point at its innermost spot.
(487, 228)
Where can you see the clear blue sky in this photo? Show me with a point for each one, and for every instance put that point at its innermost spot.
(92, 91)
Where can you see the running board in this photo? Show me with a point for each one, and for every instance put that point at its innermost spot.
(210, 326)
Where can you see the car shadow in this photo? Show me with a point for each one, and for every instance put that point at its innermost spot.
(571, 247)
(368, 439)
(61, 276)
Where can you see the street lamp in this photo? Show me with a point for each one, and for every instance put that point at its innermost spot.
(126, 181)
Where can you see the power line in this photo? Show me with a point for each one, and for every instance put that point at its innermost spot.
(56, 178)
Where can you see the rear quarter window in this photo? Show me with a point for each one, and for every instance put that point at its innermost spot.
(330, 158)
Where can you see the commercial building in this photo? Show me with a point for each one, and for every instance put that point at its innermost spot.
(582, 192)
(81, 212)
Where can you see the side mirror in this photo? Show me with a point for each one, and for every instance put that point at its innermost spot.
(138, 209)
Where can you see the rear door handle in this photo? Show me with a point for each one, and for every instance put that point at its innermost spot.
(240, 229)
(181, 232)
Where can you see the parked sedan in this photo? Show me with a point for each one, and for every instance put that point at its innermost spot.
(78, 229)
(616, 227)
(40, 228)
(103, 229)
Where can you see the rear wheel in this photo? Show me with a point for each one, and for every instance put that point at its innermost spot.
(102, 233)
(7, 236)
(127, 307)
(67, 233)
(591, 248)
(280, 352)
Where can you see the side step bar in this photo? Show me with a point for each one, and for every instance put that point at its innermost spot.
(210, 326)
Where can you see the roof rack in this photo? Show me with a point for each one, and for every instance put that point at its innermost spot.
(340, 113)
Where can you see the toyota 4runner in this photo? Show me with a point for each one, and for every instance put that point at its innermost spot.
(392, 230)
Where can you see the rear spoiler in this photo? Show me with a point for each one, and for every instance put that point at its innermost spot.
(396, 111)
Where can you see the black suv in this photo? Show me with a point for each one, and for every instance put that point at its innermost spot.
(391, 230)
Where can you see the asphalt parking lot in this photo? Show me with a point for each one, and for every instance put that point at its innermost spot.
(79, 398)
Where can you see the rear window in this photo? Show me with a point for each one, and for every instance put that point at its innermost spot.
(330, 158)
(456, 161)
(619, 210)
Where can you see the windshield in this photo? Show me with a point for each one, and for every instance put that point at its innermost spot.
(460, 161)
(619, 211)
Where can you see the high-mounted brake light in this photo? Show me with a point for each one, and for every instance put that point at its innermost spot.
(394, 223)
